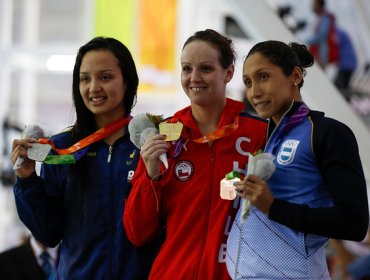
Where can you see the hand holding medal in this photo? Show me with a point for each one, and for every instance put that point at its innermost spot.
(144, 125)
(41, 148)
(36, 132)
(261, 165)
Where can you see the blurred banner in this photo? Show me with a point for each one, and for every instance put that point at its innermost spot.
(157, 33)
(148, 29)
(116, 18)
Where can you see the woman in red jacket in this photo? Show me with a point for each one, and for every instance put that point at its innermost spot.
(216, 138)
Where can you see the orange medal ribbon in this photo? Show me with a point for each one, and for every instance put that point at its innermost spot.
(219, 132)
(92, 138)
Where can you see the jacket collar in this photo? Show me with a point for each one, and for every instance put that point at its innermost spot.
(296, 112)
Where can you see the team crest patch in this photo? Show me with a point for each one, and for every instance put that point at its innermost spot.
(183, 170)
(287, 152)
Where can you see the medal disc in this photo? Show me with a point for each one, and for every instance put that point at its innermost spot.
(38, 152)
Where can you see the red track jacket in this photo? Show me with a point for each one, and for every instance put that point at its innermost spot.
(186, 200)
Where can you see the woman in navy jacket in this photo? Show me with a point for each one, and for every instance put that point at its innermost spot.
(81, 204)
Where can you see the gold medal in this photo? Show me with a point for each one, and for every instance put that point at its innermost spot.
(171, 130)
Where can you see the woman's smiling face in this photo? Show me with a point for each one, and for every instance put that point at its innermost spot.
(102, 86)
(202, 76)
(268, 89)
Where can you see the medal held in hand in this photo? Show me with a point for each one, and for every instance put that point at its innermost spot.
(144, 125)
(171, 130)
(227, 188)
(38, 152)
(30, 131)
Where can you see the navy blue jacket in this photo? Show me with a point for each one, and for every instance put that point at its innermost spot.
(84, 212)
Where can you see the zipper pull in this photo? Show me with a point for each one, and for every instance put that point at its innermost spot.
(110, 153)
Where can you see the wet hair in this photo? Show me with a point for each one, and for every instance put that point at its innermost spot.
(85, 120)
(223, 44)
(285, 56)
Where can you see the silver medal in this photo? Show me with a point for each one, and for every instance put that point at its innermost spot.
(38, 152)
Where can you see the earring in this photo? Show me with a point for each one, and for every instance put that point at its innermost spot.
(295, 84)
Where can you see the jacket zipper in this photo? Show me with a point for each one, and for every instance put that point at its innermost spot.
(238, 252)
(110, 153)
(111, 226)
(277, 125)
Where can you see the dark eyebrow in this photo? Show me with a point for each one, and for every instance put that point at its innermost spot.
(100, 72)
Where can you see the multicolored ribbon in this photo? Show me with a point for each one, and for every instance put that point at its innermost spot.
(79, 149)
(65, 159)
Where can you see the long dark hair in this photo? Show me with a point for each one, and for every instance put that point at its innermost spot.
(85, 121)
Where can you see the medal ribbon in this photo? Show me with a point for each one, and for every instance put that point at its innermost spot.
(79, 149)
(214, 135)
(219, 132)
(65, 159)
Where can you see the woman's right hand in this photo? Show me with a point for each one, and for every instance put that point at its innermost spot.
(153, 147)
(19, 149)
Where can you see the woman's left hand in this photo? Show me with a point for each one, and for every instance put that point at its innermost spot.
(257, 191)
